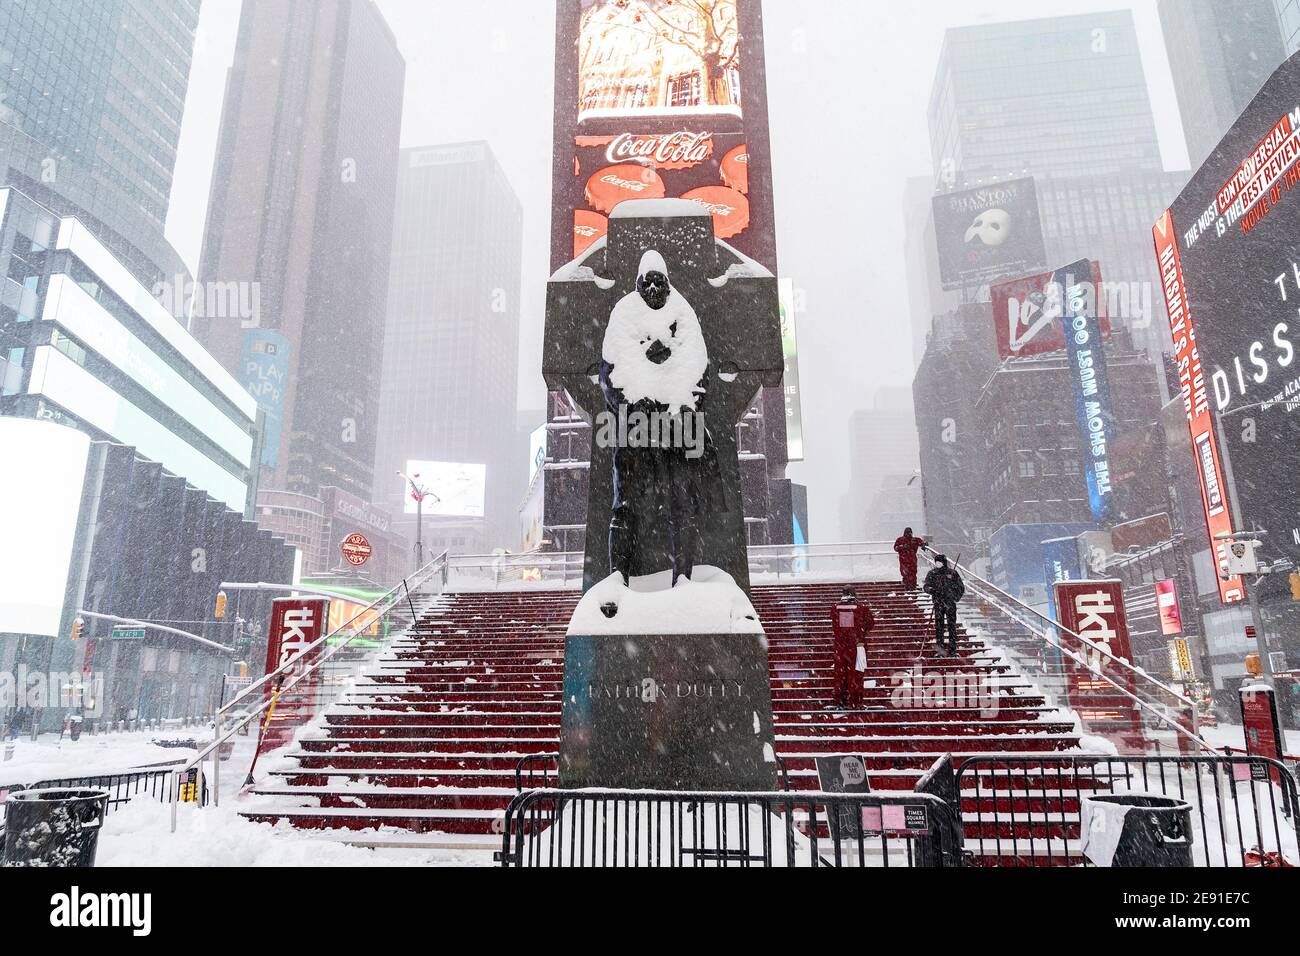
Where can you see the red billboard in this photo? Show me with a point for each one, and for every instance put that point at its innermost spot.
(1171, 620)
(656, 99)
(1027, 312)
(1196, 402)
(296, 624)
(1098, 686)
(1263, 731)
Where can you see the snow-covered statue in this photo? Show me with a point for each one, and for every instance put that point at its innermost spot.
(654, 372)
(653, 331)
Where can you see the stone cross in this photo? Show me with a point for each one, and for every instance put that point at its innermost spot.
(735, 299)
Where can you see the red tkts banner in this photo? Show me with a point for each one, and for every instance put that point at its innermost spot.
(1027, 313)
(296, 624)
(1094, 610)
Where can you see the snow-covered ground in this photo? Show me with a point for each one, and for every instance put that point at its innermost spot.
(48, 757)
(1232, 735)
(139, 834)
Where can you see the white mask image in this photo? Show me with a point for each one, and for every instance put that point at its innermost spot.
(990, 228)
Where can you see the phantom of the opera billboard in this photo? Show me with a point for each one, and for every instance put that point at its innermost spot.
(988, 233)
(1229, 256)
(661, 99)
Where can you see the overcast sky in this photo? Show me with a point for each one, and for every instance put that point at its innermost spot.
(847, 92)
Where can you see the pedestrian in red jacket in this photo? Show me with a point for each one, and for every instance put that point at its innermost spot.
(907, 546)
(851, 621)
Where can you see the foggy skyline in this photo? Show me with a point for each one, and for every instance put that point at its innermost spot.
(848, 122)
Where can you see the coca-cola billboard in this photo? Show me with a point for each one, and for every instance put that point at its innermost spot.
(679, 150)
(638, 121)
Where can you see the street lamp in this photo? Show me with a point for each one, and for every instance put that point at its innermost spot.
(419, 493)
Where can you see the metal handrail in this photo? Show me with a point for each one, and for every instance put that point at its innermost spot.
(1002, 596)
(220, 736)
(968, 574)
(420, 576)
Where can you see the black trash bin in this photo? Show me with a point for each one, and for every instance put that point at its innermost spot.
(54, 827)
(1157, 830)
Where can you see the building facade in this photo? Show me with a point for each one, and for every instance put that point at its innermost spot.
(960, 355)
(1220, 54)
(301, 209)
(318, 524)
(883, 461)
(91, 100)
(1045, 97)
(451, 347)
(130, 468)
(87, 345)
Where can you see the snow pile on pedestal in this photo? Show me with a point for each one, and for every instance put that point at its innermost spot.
(708, 602)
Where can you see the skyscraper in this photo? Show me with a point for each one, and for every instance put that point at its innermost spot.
(91, 97)
(883, 453)
(1220, 54)
(1064, 100)
(301, 209)
(1056, 96)
(451, 350)
(1288, 12)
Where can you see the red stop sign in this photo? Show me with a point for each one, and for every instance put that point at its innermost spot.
(356, 549)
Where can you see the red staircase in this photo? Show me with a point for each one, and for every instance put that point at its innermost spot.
(423, 751)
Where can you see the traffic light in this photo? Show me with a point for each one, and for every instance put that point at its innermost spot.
(77, 626)
(220, 610)
(1294, 578)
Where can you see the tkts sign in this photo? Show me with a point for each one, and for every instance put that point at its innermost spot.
(1094, 610)
(297, 623)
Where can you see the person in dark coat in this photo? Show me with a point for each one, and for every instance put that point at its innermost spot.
(945, 587)
(907, 546)
(850, 621)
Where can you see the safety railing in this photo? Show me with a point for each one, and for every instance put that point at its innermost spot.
(855, 560)
(778, 563)
(1111, 697)
(662, 828)
(1026, 810)
(527, 570)
(300, 688)
(158, 783)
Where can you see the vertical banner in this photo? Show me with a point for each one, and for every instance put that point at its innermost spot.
(1196, 401)
(1087, 357)
(1096, 684)
(264, 370)
(790, 352)
(1171, 620)
(296, 624)
(1060, 563)
(1263, 729)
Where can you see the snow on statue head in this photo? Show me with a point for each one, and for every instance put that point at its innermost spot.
(653, 342)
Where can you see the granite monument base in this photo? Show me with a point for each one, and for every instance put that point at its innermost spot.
(667, 712)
